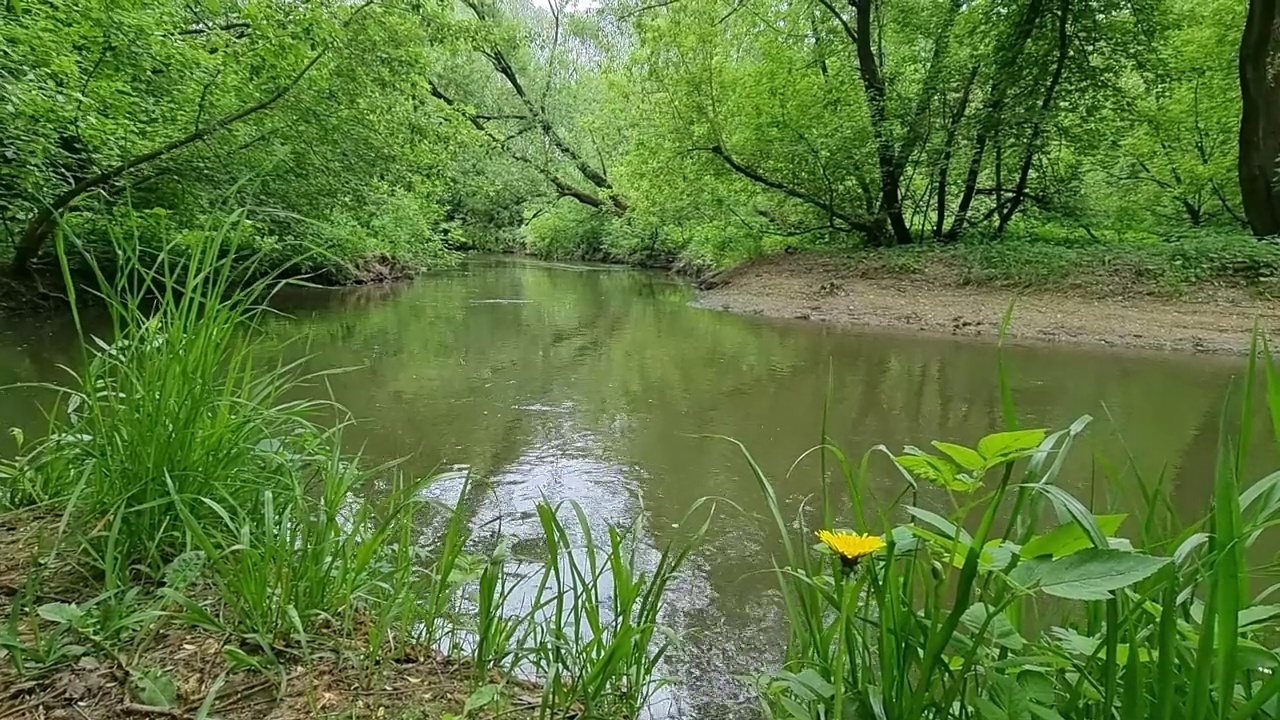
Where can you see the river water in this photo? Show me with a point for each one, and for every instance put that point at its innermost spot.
(599, 385)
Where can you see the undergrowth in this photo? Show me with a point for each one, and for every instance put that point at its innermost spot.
(1021, 601)
(1119, 266)
(181, 499)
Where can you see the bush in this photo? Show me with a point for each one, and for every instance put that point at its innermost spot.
(568, 231)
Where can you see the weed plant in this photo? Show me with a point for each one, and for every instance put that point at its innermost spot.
(1022, 602)
(193, 492)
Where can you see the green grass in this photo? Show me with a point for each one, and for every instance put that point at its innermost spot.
(190, 495)
(1057, 259)
(1040, 609)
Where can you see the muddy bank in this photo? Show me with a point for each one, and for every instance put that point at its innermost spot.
(836, 290)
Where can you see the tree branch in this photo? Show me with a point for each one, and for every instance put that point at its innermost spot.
(563, 187)
(852, 223)
(43, 221)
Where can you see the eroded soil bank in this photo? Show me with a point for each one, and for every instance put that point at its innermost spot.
(842, 291)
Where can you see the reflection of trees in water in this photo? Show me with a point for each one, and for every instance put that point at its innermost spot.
(34, 350)
(458, 380)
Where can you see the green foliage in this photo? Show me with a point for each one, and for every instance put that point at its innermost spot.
(949, 623)
(681, 134)
(568, 231)
(338, 159)
(194, 496)
(591, 625)
(1055, 258)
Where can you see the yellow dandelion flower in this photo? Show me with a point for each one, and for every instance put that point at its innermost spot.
(851, 547)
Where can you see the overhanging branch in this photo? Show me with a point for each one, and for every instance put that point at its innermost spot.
(851, 223)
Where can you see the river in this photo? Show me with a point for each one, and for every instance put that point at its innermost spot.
(599, 385)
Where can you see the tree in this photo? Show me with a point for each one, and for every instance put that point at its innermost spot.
(156, 114)
(1260, 117)
(43, 221)
(513, 113)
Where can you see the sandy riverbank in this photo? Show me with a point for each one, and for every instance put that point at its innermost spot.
(835, 290)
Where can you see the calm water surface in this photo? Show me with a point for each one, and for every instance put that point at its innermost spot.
(595, 385)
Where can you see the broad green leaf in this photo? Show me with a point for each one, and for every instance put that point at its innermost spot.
(1091, 574)
(1039, 712)
(156, 688)
(998, 628)
(1004, 446)
(812, 680)
(997, 554)
(483, 697)
(797, 711)
(988, 710)
(66, 613)
(1069, 537)
(931, 469)
(1005, 700)
(1038, 685)
(964, 457)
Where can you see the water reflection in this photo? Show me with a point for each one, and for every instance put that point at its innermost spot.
(600, 386)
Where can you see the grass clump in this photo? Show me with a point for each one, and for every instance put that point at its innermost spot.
(1021, 601)
(189, 526)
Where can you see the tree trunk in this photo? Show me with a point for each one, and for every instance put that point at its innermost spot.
(1037, 126)
(948, 148)
(873, 87)
(1005, 71)
(1260, 118)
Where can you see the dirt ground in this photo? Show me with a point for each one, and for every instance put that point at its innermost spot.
(70, 676)
(834, 290)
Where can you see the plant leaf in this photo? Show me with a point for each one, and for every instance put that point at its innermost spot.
(156, 688)
(1069, 507)
(933, 469)
(1000, 630)
(484, 696)
(949, 529)
(1258, 613)
(1091, 574)
(59, 612)
(1004, 446)
(1069, 537)
(964, 457)
(183, 570)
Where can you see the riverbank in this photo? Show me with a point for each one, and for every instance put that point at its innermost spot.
(75, 657)
(867, 292)
(257, 570)
(44, 289)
